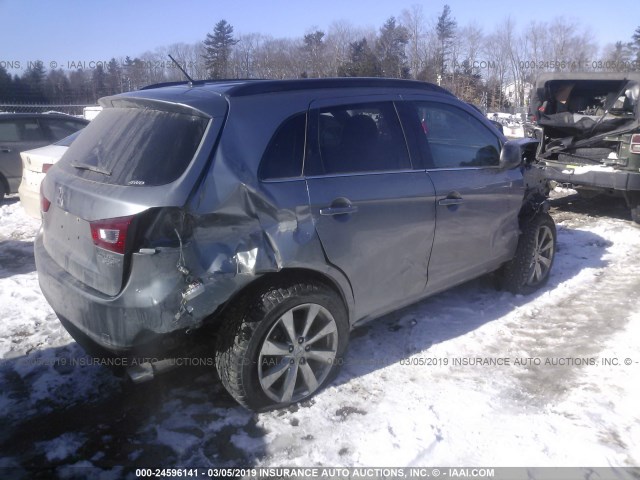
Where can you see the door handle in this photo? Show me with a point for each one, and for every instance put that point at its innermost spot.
(347, 209)
(453, 198)
(450, 201)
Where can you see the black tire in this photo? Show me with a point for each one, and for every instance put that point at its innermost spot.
(530, 267)
(252, 341)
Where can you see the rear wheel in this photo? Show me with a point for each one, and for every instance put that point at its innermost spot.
(3, 189)
(282, 344)
(530, 267)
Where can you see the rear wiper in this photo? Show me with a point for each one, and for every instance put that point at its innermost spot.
(93, 168)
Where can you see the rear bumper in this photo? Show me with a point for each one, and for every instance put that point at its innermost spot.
(617, 180)
(140, 319)
(30, 201)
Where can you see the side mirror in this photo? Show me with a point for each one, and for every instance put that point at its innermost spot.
(513, 152)
(511, 155)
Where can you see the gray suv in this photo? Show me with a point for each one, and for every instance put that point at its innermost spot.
(280, 215)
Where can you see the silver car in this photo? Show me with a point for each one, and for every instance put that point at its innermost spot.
(280, 214)
(26, 131)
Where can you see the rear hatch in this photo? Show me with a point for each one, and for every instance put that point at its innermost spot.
(588, 120)
(136, 160)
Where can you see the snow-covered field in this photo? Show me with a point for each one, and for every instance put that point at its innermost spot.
(471, 377)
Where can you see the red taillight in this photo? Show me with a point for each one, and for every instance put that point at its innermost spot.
(111, 234)
(635, 143)
(44, 201)
(46, 167)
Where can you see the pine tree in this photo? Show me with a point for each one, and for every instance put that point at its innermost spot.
(445, 31)
(218, 50)
(362, 62)
(635, 46)
(114, 77)
(314, 49)
(6, 85)
(390, 49)
(34, 77)
(99, 82)
(57, 88)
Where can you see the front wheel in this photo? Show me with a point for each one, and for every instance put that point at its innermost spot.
(282, 344)
(530, 267)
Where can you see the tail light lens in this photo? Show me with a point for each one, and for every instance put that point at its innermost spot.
(44, 201)
(635, 143)
(46, 167)
(111, 234)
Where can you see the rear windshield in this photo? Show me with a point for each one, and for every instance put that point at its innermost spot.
(135, 146)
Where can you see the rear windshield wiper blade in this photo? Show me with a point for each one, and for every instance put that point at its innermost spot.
(93, 168)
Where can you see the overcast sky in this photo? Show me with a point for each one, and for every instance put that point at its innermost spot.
(63, 31)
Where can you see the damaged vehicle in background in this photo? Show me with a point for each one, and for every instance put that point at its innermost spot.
(180, 210)
(591, 132)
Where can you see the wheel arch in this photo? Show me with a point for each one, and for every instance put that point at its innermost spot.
(330, 278)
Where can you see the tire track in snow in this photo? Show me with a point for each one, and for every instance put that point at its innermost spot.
(575, 319)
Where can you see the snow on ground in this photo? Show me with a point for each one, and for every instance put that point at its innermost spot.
(415, 389)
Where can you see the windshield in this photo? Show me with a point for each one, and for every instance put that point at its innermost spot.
(135, 146)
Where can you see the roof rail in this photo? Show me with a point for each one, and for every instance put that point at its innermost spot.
(240, 87)
(199, 82)
(274, 86)
(171, 84)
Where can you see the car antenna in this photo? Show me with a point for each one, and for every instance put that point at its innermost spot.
(182, 70)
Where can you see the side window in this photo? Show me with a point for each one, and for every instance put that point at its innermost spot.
(9, 132)
(454, 138)
(60, 128)
(283, 156)
(30, 131)
(360, 138)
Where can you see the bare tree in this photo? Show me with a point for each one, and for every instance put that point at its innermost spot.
(243, 57)
(467, 52)
(279, 59)
(413, 20)
(498, 56)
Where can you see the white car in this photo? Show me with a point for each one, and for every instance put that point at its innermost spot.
(35, 164)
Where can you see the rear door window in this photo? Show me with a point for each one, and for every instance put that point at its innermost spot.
(359, 138)
(22, 130)
(135, 146)
(9, 132)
